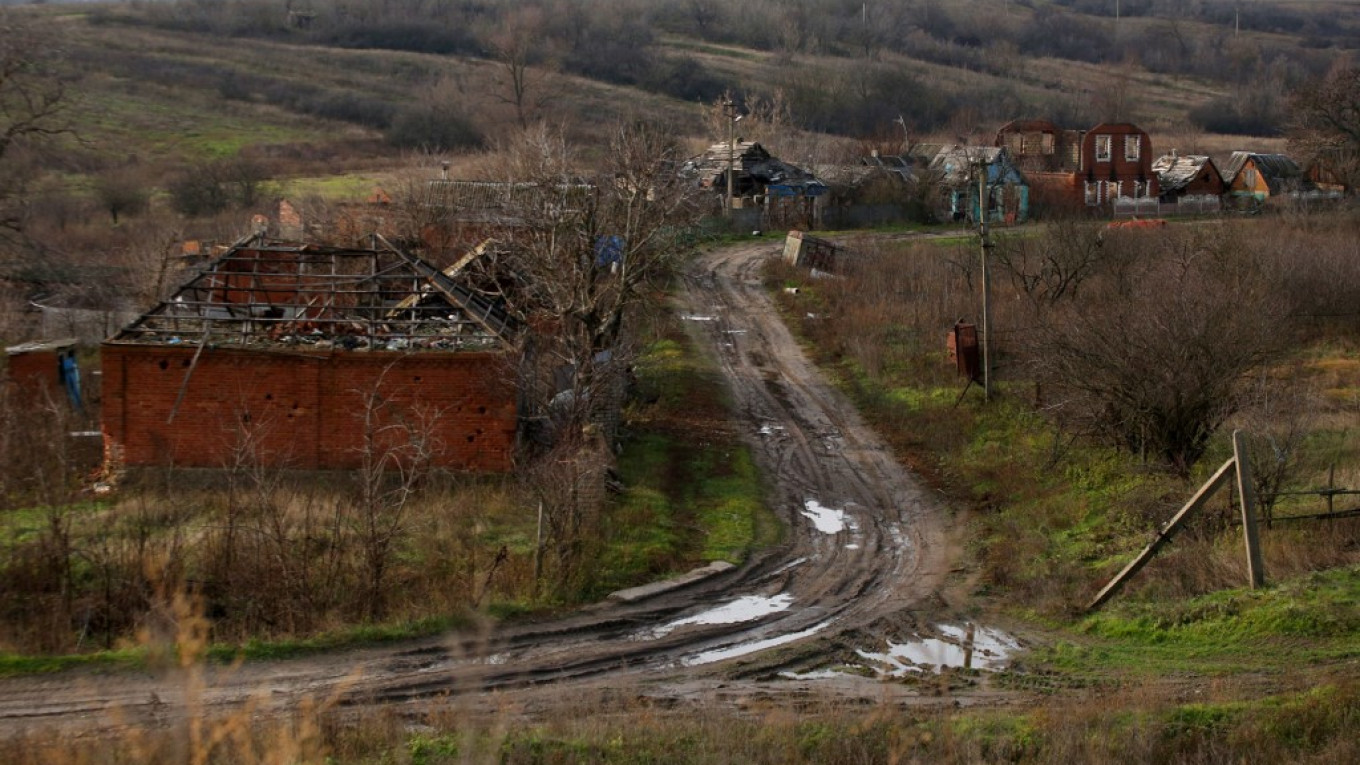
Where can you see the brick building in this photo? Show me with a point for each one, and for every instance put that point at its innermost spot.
(313, 357)
(1081, 168)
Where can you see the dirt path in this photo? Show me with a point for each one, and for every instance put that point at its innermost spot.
(865, 554)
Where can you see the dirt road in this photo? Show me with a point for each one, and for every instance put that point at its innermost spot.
(864, 552)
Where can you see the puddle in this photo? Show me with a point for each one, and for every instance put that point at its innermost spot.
(828, 520)
(744, 609)
(689, 317)
(965, 647)
(742, 649)
(769, 430)
(852, 547)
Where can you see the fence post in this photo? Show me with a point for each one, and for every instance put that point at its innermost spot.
(1255, 566)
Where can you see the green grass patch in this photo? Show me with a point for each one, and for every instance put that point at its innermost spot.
(693, 494)
(26, 524)
(349, 637)
(139, 657)
(1306, 620)
(12, 664)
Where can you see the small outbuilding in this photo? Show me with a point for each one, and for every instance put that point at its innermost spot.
(1253, 178)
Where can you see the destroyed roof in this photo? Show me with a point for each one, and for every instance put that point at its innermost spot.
(749, 158)
(954, 164)
(1274, 168)
(1028, 126)
(1175, 172)
(267, 294)
(899, 166)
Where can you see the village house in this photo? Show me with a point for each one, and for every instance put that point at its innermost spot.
(1191, 182)
(956, 168)
(311, 356)
(1252, 179)
(1075, 169)
(784, 193)
(1116, 161)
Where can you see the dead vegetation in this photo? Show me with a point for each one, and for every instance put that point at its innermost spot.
(1145, 344)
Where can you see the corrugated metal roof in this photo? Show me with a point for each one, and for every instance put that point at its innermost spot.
(1275, 169)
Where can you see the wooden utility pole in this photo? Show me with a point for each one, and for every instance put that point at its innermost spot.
(986, 282)
(1240, 468)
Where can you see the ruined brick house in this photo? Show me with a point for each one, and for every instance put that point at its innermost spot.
(310, 356)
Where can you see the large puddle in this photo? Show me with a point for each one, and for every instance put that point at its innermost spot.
(747, 608)
(958, 647)
(952, 646)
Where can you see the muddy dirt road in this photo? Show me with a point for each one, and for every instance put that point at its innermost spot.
(864, 553)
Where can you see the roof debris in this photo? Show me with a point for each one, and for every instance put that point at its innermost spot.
(264, 293)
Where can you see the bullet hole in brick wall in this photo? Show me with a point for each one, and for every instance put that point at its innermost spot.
(417, 378)
(471, 439)
(245, 417)
(295, 406)
(164, 364)
(269, 397)
(184, 363)
(481, 410)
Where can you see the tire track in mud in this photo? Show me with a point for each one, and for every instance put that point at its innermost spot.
(822, 466)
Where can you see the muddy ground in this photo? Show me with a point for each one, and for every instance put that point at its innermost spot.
(862, 566)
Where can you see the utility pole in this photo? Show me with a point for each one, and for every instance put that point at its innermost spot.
(986, 280)
(730, 109)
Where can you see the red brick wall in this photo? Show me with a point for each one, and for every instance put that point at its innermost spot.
(1118, 167)
(35, 376)
(303, 410)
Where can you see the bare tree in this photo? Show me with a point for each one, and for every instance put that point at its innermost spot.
(397, 452)
(1326, 125)
(1152, 352)
(33, 102)
(517, 46)
(1049, 268)
(583, 249)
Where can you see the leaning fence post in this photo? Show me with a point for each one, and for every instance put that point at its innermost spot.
(1255, 566)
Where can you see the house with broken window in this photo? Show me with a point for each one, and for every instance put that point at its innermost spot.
(311, 356)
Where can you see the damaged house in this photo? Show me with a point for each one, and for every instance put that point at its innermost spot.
(309, 356)
(786, 194)
(1007, 194)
